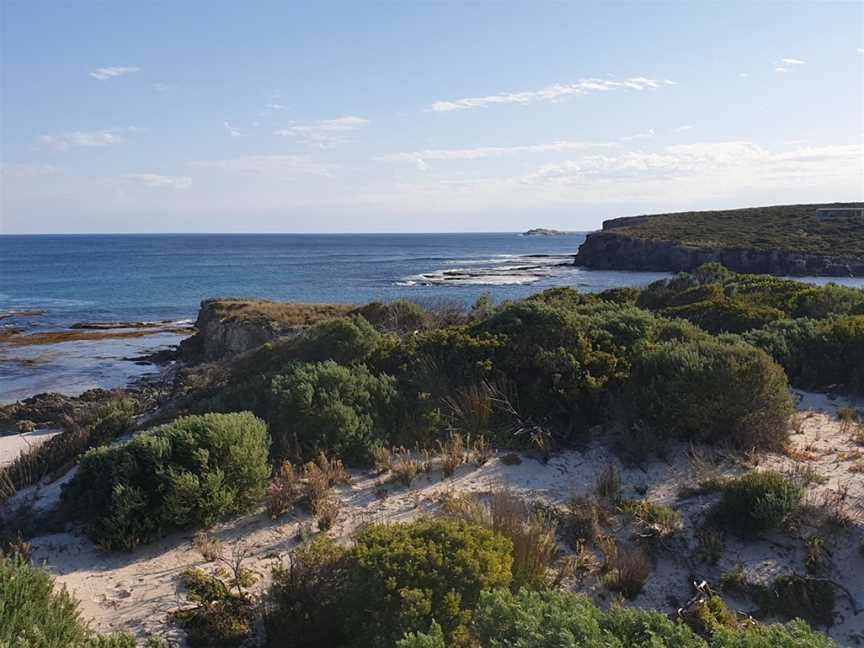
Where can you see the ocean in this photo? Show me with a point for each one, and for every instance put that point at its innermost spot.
(51, 283)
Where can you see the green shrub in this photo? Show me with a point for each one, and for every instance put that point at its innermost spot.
(404, 576)
(757, 502)
(219, 617)
(31, 612)
(327, 407)
(796, 634)
(303, 608)
(554, 619)
(35, 614)
(707, 391)
(400, 316)
(191, 472)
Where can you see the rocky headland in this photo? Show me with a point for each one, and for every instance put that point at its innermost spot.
(792, 240)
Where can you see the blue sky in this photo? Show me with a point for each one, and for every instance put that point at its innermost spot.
(421, 116)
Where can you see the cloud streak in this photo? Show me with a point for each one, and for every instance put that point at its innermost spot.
(155, 181)
(106, 73)
(281, 166)
(422, 157)
(554, 92)
(65, 141)
(324, 133)
(792, 61)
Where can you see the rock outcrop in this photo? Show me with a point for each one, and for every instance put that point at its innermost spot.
(227, 327)
(609, 250)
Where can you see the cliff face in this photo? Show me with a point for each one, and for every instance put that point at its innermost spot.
(219, 335)
(610, 250)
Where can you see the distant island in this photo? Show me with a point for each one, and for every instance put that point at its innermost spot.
(793, 240)
(542, 231)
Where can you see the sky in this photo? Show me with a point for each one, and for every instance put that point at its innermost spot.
(416, 116)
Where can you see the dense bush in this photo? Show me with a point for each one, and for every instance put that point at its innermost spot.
(707, 391)
(34, 614)
(404, 576)
(817, 354)
(395, 579)
(328, 407)
(189, 473)
(557, 619)
(757, 502)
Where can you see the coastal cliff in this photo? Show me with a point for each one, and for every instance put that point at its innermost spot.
(227, 327)
(795, 240)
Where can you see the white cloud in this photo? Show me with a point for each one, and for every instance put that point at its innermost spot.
(233, 132)
(155, 181)
(780, 69)
(103, 74)
(274, 106)
(325, 133)
(792, 61)
(164, 87)
(649, 134)
(65, 141)
(740, 159)
(743, 75)
(283, 166)
(681, 129)
(420, 158)
(550, 93)
(861, 50)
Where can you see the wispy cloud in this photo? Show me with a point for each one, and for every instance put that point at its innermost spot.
(780, 69)
(681, 129)
(164, 87)
(743, 75)
(103, 74)
(233, 132)
(649, 134)
(65, 141)
(156, 181)
(793, 61)
(422, 157)
(325, 133)
(705, 159)
(554, 92)
(282, 166)
(861, 50)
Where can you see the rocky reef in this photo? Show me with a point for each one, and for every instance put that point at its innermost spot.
(749, 241)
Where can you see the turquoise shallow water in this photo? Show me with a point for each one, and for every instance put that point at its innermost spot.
(134, 278)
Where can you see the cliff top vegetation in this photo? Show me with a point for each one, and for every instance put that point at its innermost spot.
(792, 228)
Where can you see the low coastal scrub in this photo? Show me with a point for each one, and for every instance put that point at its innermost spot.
(711, 392)
(35, 614)
(757, 502)
(395, 579)
(188, 473)
(554, 619)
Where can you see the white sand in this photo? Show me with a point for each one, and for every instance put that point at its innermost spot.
(13, 444)
(135, 591)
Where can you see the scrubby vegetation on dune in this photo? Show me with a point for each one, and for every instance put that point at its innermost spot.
(35, 614)
(794, 228)
(189, 473)
(705, 358)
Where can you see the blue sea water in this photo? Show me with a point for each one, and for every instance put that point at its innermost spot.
(134, 278)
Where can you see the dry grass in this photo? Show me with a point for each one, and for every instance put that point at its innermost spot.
(287, 314)
(404, 467)
(535, 550)
(626, 567)
(283, 492)
(608, 486)
(452, 454)
(319, 478)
